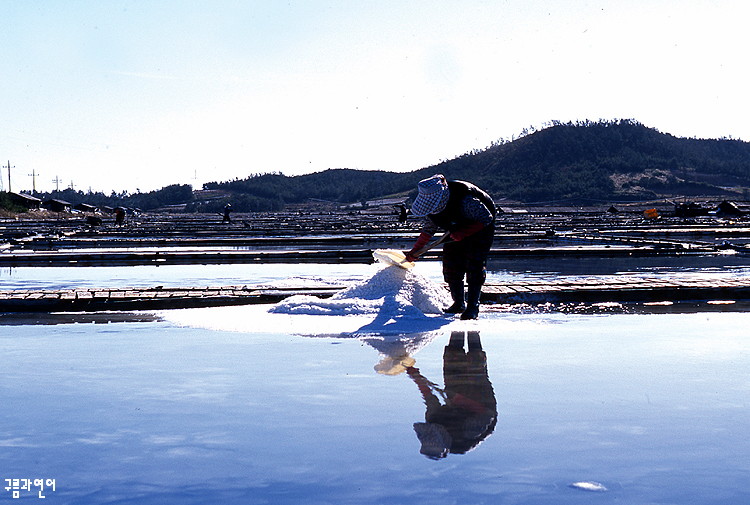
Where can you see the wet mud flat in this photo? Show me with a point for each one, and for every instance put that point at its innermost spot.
(336, 230)
(545, 236)
(626, 408)
(591, 291)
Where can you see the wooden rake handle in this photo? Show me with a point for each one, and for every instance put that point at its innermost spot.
(446, 237)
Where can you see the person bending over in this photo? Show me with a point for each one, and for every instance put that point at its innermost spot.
(468, 213)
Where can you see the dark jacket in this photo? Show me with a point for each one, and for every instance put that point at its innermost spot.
(452, 218)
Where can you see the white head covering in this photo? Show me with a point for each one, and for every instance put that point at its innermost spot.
(435, 439)
(433, 196)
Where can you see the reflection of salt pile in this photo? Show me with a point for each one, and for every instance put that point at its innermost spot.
(396, 351)
(392, 291)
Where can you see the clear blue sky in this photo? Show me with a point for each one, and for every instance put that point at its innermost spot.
(138, 94)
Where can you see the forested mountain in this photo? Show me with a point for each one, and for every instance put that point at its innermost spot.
(565, 162)
(604, 161)
(335, 185)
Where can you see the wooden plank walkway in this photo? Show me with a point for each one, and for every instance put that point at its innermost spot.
(157, 298)
(590, 290)
(618, 289)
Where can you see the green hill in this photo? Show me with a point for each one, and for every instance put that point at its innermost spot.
(604, 161)
(566, 162)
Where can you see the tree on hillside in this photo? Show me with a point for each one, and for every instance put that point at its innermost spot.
(572, 161)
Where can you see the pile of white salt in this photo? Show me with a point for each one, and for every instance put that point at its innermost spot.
(392, 292)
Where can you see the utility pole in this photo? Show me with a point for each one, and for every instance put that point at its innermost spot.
(57, 182)
(33, 175)
(9, 167)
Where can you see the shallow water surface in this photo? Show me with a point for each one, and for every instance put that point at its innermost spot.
(651, 407)
(499, 271)
(172, 275)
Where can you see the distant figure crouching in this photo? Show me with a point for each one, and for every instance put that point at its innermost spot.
(402, 213)
(468, 213)
(119, 216)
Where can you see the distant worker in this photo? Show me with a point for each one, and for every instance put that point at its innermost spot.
(402, 213)
(468, 214)
(227, 211)
(119, 216)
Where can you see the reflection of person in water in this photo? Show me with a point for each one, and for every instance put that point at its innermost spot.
(468, 411)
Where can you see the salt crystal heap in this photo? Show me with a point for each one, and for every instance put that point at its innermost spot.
(392, 292)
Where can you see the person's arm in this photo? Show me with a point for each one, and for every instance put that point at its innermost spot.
(427, 232)
(425, 387)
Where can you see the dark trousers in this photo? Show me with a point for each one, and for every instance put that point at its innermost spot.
(468, 258)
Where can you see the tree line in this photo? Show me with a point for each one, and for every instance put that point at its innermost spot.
(563, 162)
(571, 162)
(175, 194)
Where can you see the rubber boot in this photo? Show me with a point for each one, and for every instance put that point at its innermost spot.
(457, 293)
(474, 291)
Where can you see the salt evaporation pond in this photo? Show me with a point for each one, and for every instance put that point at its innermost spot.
(299, 405)
(505, 270)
